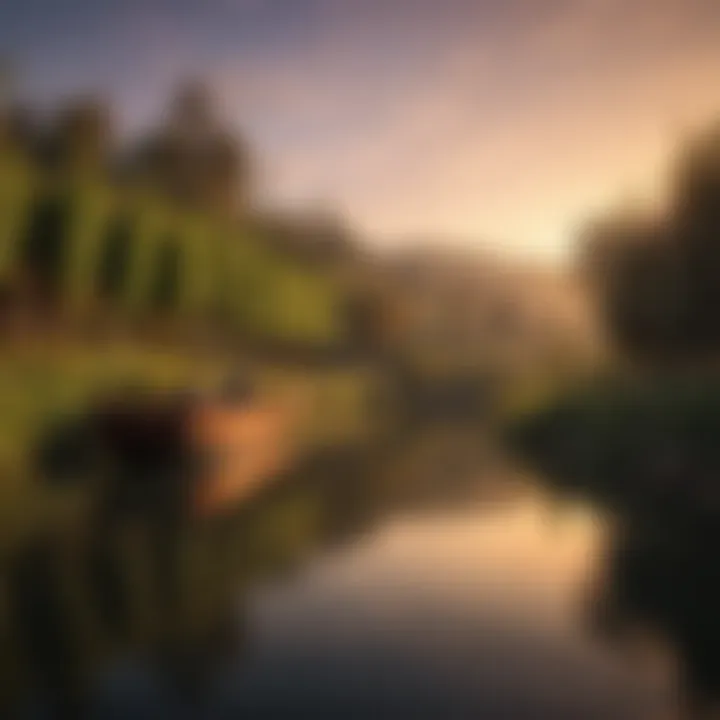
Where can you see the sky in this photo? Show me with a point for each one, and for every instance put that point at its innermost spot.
(500, 123)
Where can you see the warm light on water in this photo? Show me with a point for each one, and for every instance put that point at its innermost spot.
(479, 610)
(436, 583)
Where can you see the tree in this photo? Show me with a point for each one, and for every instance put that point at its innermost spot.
(656, 281)
(81, 138)
(193, 158)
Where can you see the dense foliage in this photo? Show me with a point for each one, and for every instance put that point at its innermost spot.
(162, 229)
(656, 279)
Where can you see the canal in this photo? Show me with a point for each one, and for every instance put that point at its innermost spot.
(431, 579)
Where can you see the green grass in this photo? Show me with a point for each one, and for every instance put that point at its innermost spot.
(224, 269)
(63, 229)
(44, 381)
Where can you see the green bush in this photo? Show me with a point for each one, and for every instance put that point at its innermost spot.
(16, 192)
(89, 211)
(615, 435)
(114, 263)
(43, 248)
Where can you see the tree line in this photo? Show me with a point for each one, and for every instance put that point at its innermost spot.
(655, 278)
(164, 226)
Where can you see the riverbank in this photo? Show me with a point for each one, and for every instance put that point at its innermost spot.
(47, 380)
(647, 442)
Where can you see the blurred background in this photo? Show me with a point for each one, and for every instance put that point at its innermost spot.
(358, 359)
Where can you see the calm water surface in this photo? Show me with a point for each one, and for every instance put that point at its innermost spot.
(476, 612)
(435, 582)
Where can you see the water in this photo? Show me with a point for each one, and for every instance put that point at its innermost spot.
(432, 581)
(473, 614)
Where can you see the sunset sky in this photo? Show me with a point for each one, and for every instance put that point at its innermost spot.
(490, 121)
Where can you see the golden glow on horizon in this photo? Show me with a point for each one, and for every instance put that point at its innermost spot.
(514, 140)
(503, 122)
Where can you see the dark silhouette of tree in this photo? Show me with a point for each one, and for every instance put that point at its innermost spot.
(81, 137)
(697, 226)
(656, 281)
(22, 131)
(115, 258)
(43, 247)
(166, 283)
(193, 158)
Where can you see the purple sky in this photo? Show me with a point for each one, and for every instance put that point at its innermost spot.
(493, 121)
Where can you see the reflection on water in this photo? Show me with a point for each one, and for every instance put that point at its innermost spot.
(662, 580)
(425, 580)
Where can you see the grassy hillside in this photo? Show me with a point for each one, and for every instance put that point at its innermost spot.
(87, 244)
